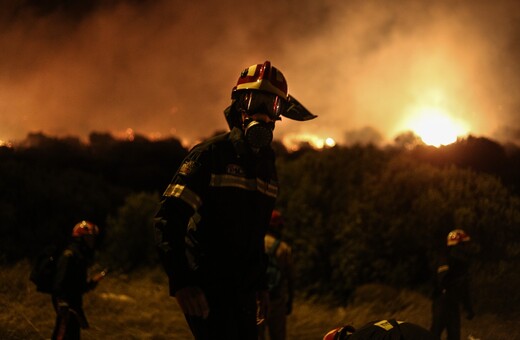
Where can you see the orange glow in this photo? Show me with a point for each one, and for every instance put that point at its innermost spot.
(435, 126)
(293, 142)
(6, 144)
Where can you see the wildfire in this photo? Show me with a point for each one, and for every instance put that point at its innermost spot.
(6, 144)
(435, 126)
(293, 142)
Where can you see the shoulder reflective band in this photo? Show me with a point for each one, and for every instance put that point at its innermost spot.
(443, 268)
(384, 324)
(244, 183)
(185, 194)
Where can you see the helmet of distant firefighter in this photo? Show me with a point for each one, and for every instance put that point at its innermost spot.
(86, 231)
(276, 223)
(456, 237)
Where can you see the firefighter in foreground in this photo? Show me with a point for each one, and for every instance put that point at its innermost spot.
(279, 280)
(71, 281)
(381, 330)
(452, 287)
(215, 212)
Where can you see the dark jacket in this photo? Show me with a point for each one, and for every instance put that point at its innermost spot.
(452, 282)
(214, 214)
(71, 282)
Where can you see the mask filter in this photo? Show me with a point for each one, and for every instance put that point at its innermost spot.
(258, 134)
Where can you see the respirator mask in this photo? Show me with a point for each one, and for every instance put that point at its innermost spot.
(259, 134)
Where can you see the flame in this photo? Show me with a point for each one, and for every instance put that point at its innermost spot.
(6, 144)
(293, 142)
(436, 126)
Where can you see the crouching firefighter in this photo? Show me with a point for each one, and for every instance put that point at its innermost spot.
(214, 214)
(71, 281)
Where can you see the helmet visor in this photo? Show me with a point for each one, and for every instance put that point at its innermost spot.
(260, 102)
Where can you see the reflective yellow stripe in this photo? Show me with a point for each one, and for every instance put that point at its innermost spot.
(384, 324)
(244, 183)
(185, 194)
(266, 188)
(232, 181)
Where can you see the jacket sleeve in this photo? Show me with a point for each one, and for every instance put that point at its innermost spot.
(181, 199)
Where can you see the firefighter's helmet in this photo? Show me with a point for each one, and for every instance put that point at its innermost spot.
(261, 77)
(340, 333)
(263, 88)
(259, 88)
(85, 228)
(456, 237)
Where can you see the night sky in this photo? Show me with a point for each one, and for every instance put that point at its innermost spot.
(164, 68)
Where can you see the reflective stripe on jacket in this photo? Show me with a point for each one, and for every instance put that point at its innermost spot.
(214, 215)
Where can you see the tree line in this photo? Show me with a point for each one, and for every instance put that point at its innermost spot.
(355, 214)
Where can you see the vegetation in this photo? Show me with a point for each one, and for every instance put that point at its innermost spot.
(136, 306)
(357, 216)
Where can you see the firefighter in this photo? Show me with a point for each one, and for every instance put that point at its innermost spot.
(213, 216)
(452, 287)
(71, 281)
(280, 280)
(381, 330)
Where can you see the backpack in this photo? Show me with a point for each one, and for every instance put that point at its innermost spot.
(273, 272)
(44, 269)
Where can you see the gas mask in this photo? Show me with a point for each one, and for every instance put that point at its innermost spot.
(258, 134)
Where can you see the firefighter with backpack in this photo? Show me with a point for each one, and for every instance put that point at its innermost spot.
(71, 281)
(279, 281)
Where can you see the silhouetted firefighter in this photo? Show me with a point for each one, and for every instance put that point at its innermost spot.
(452, 287)
(279, 281)
(216, 210)
(71, 281)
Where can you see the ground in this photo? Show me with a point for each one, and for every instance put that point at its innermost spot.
(137, 306)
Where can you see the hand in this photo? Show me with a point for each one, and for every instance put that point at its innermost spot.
(99, 276)
(192, 301)
(262, 304)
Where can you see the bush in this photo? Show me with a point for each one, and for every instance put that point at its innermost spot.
(129, 235)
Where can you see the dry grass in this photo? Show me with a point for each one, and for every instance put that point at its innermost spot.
(138, 307)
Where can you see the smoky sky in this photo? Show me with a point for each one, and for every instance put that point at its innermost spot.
(167, 68)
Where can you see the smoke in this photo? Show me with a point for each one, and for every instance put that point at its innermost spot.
(167, 67)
